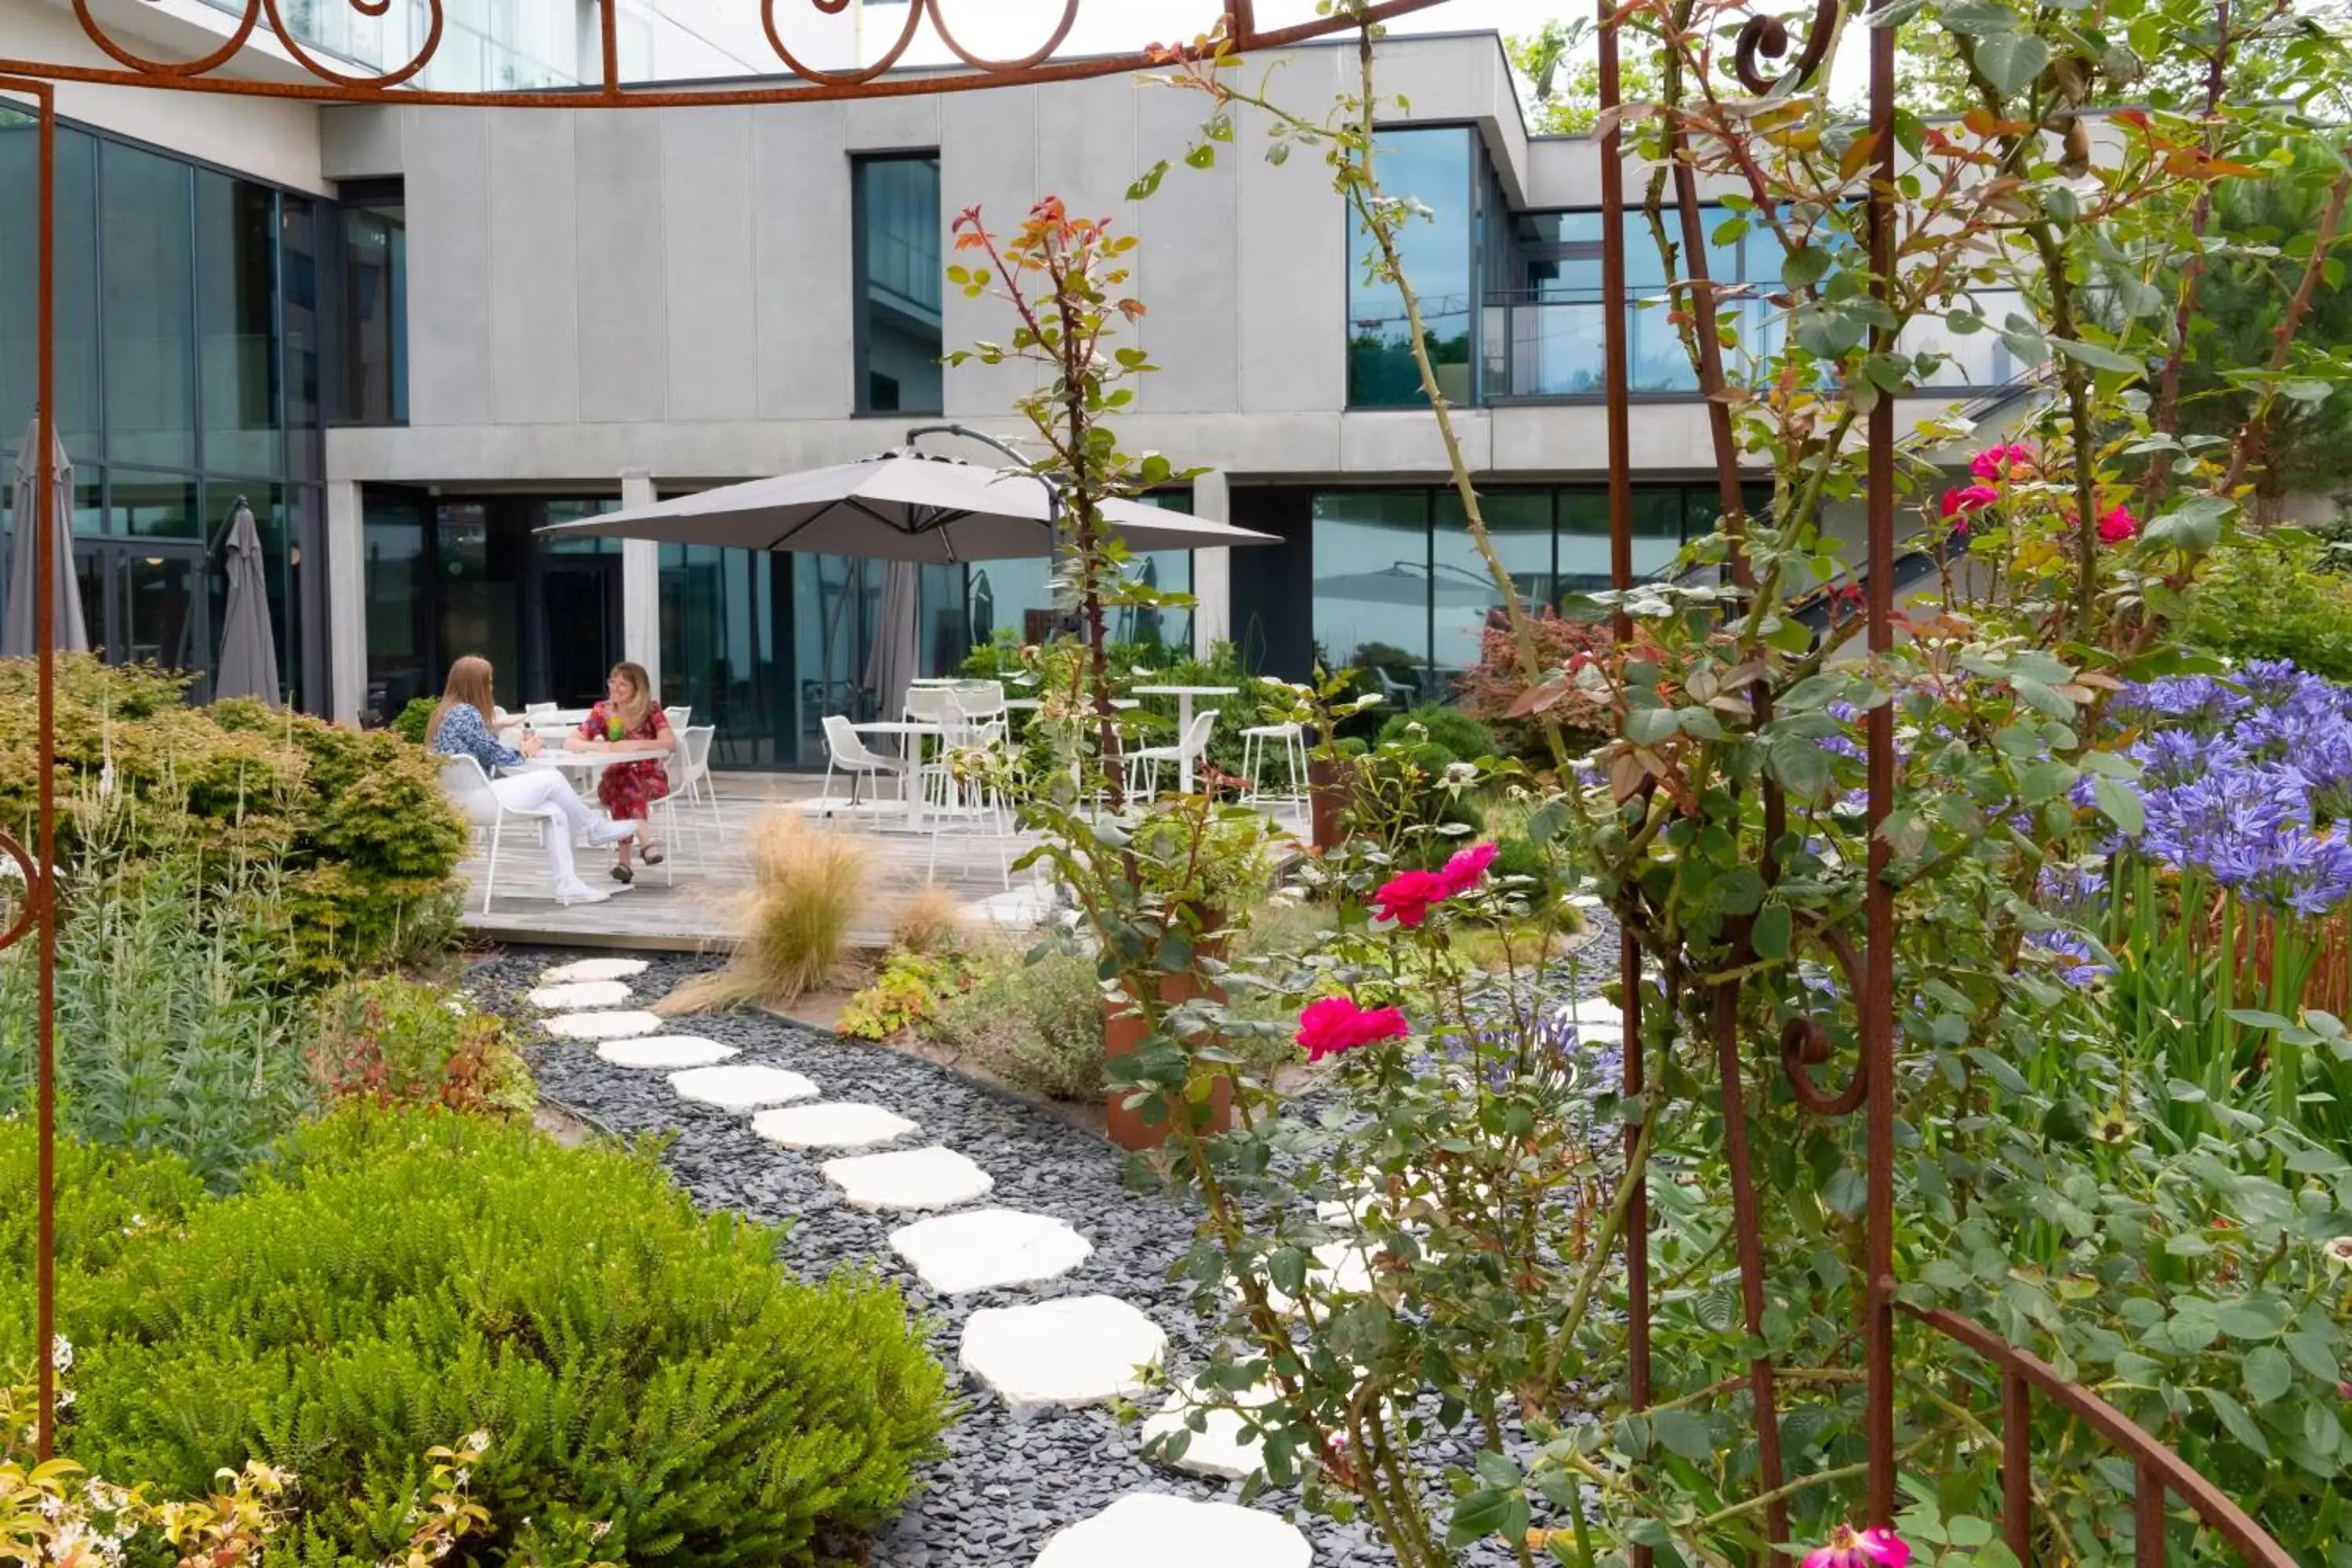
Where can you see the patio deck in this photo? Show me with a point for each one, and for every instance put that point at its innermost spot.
(712, 873)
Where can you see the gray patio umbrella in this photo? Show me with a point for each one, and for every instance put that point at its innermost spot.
(249, 650)
(892, 668)
(1407, 584)
(903, 505)
(69, 635)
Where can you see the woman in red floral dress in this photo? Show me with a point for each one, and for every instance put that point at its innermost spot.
(630, 720)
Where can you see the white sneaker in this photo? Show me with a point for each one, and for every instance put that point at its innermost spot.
(581, 893)
(611, 831)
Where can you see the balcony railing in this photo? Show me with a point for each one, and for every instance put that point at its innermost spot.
(1551, 348)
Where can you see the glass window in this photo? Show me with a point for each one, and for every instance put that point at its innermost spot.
(1658, 513)
(897, 288)
(376, 312)
(153, 506)
(146, 261)
(399, 661)
(1431, 167)
(1463, 602)
(299, 228)
(479, 604)
(1373, 587)
(236, 314)
(718, 637)
(76, 283)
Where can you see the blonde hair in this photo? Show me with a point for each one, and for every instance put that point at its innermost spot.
(641, 685)
(470, 683)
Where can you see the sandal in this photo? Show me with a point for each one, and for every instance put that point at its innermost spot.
(651, 854)
(624, 876)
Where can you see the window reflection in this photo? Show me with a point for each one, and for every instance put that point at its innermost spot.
(899, 278)
(1464, 599)
(1433, 167)
(375, 310)
(1373, 586)
(146, 258)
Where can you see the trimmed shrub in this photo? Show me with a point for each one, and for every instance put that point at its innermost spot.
(1448, 731)
(2274, 596)
(1038, 1026)
(413, 721)
(399, 1277)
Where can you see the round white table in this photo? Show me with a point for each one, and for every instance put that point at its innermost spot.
(1184, 695)
(589, 763)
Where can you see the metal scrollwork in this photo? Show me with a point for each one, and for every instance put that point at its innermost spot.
(324, 72)
(1804, 1044)
(1764, 37)
(30, 903)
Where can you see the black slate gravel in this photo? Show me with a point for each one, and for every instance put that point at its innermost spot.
(1010, 1480)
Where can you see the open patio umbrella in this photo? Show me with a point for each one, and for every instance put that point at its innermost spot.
(892, 667)
(249, 650)
(1407, 584)
(69, 635)
(903, 505)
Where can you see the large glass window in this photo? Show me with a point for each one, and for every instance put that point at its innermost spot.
(376, 311)
(236, 313)
(1433, 167)
(146, 256)
(1462, 600)
(399, 626)
(1373, 587)
(76, 281)
(898, 287)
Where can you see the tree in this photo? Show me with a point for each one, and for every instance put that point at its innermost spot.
(1564, 75)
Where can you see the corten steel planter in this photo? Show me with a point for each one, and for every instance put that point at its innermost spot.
(1326, 791)
(1123, 1035)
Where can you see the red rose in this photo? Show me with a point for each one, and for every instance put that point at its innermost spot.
(1406, 899)
(1335, 1025)
(2117, 525)
(1462, 872)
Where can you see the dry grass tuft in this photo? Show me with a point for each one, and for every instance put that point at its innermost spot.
(929, 923)
(807, 890)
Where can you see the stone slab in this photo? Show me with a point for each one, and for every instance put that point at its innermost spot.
(664, 1053)
(990, 1249)
(604, 1026)
(1078, 1350)
(743, 1087)
(831, 1124)
(1150, 1530)
(908, 1180)
(578, 995)
(594, 969)
(1223, 1448)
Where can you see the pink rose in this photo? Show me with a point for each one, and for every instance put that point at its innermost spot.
(2117, 525)
(2015, 461)
(1407, 897)
(1335, 1025)
(1462, 871)
(1869, 1548)
(1962, 500)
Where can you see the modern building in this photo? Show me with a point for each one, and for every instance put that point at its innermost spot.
(409, 337)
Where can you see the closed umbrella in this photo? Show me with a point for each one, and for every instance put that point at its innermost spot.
(248, 652)
(903, 505)
(18, 630)
(892, 667)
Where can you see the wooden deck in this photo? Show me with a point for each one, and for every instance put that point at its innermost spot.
(694, 902)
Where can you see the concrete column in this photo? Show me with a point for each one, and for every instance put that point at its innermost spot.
(346, 541)
(1212, 570)
(641, 582)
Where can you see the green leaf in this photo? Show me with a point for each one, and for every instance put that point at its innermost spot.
(2317, 1356)
(2094, 356)
(2241, 1426)
(2253, 1318)
(1771, 935)
(1496, 1469)
(1148, 183)
(1685, 1433)
(1648, 726)
(1978, 18)
(2195, 525)
(2268, 1373)
(2121, 804)
(1485, 1513)
(2009, 61)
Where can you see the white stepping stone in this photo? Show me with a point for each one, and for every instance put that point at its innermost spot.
(578, 995)
(1224, 1447)
(1148, 1529)
(1597, 1021)
(604, 1026)
(831, 1124)
(742, 1088)
(990, 1249)
(594, 969)
(664, 1053)
(908, 1179)
(1079, 1350)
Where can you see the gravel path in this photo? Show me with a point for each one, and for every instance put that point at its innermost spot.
(1011, 1479)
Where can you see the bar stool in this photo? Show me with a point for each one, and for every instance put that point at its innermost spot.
(1292, 738)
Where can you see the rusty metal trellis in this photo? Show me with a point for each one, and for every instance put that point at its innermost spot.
(329, 84)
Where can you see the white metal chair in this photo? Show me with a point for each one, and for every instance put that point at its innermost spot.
(678, 717)
(689, 771)
(533, 710)
(975, 807)
(469, 789)
(1143, 765)
(1292, 738)
(846, 753)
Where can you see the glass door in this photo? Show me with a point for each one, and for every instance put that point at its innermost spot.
(579, 606)
(144, 602)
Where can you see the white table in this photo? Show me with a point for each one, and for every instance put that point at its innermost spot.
(911, 733)
(592, 763)
(1184, 695)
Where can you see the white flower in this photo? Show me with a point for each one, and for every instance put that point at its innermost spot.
(476, 1442)
(2339, 1251)
(463, 1476)
(61, 1352)
(602, 1529)
(64, 1398)
(1460, 773)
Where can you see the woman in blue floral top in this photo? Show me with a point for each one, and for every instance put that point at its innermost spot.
(460, 728)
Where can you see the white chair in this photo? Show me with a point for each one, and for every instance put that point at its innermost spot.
(689, 769)
(533, 710)
(982, 704)
(846, 753)
(1143, 766)
(469, 789)
(1292, 738)
(678, 717)
(969, 805)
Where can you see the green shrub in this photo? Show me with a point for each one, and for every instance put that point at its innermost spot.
(413, 721)
(906, 991)
(1037, 1026)
(400, 1277)
(1449, 735)
(400, 1042)
(356, 824)
(176, 1031)
(2273, 596)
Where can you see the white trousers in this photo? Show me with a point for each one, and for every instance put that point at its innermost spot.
(549, 794)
